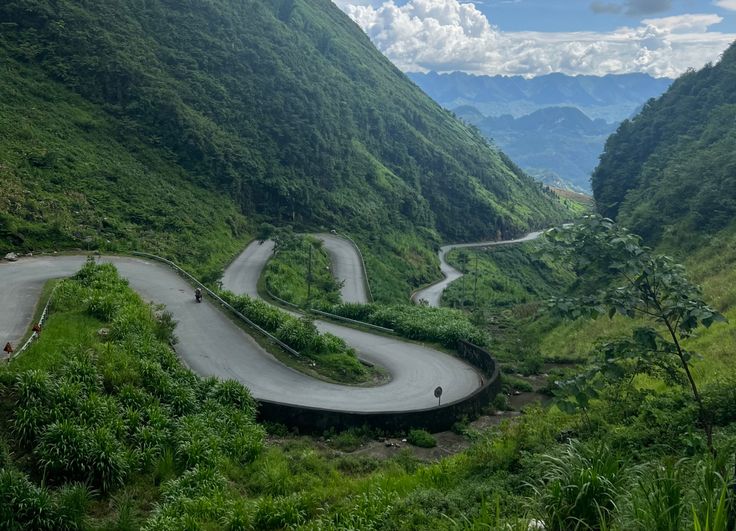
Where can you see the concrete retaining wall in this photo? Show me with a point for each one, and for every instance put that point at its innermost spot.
(315, 420)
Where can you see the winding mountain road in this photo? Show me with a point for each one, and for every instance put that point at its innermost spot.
(433, 293)
(212, 345)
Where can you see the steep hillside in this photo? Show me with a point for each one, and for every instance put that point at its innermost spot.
(671, 171)
(146, 120)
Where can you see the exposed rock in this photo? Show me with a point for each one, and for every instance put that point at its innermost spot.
(103, 332)
(11, 257)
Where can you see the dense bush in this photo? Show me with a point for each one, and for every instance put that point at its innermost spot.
(124, 407)
(331, 355)
(440, 325)
(297, 258)
(421, 438)
(580, 487)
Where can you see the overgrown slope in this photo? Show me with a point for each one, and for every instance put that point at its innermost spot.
(282, 110)
(671, 171)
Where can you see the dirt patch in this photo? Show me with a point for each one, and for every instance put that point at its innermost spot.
(448, 443)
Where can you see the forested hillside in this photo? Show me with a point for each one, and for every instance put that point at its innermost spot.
(671, 171)
(174, 125)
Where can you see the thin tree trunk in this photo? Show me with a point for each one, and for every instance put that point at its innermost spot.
(707, 426)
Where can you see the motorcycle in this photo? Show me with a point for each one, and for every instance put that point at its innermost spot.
(198, 295)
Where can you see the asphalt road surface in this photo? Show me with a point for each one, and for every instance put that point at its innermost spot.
(412, 366)
(212, 345)
(347, 267)
(433, 294)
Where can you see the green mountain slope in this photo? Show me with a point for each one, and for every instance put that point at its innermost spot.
(273, 110)
(671, 171)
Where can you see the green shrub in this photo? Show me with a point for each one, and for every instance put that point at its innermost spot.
(73, 501)
(281, 512)
(69, 451)
(439, 325)
(357, 465)
(330, 354)
(24, 505)
(233, 394)
(421, 438)
(501, 402)
(579, 488)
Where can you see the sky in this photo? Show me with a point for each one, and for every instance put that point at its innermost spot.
(662, 38)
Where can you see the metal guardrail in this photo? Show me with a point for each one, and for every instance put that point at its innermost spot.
(34, 335)
(354, 321)
(219, 299)
(282, 301)
(328, 314)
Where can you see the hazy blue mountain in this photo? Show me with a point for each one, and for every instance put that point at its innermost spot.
(612, 98)
(557, 145)
(553, 126)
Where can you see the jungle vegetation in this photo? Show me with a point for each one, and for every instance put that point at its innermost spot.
(669, 174)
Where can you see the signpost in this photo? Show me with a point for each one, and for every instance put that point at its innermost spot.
(438, 394)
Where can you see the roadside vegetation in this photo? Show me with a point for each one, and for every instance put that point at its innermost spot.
(185, 452)
(437, 325)
(504, 276)
(329, 355)
(300, 271)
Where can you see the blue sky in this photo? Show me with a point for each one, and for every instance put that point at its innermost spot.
(534, 37)
(579, 15)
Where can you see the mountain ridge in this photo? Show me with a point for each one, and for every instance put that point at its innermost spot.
(557, 145)
(670, 172)
(283, 111)
(613, 97)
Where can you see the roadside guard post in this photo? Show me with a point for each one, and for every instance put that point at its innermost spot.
(8, 348)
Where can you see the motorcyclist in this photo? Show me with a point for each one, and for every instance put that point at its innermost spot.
(198, 294)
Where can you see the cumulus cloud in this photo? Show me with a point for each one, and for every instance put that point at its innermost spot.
(447, 35)
(726, 4)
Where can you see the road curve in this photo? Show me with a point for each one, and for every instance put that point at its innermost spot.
(212, 345)
(347, 266)
(433, 293)
(413, 367)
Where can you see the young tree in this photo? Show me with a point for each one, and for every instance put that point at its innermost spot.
(639, 284)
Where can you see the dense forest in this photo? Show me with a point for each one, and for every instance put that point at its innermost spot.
(119, 116)
(670, 172)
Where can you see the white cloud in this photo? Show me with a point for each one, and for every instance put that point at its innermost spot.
(447, 35)
(726, 4)
(685, 23)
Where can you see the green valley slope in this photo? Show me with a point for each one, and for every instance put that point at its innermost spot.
(670, 173)
(133, 114)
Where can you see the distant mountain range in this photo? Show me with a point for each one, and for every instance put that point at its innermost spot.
(612, 98)
(553, 126)
(557, 145)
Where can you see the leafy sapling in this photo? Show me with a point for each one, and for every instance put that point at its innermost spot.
(638, 284)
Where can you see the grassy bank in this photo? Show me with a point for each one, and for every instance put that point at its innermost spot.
(109, 431)
(300, 271)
